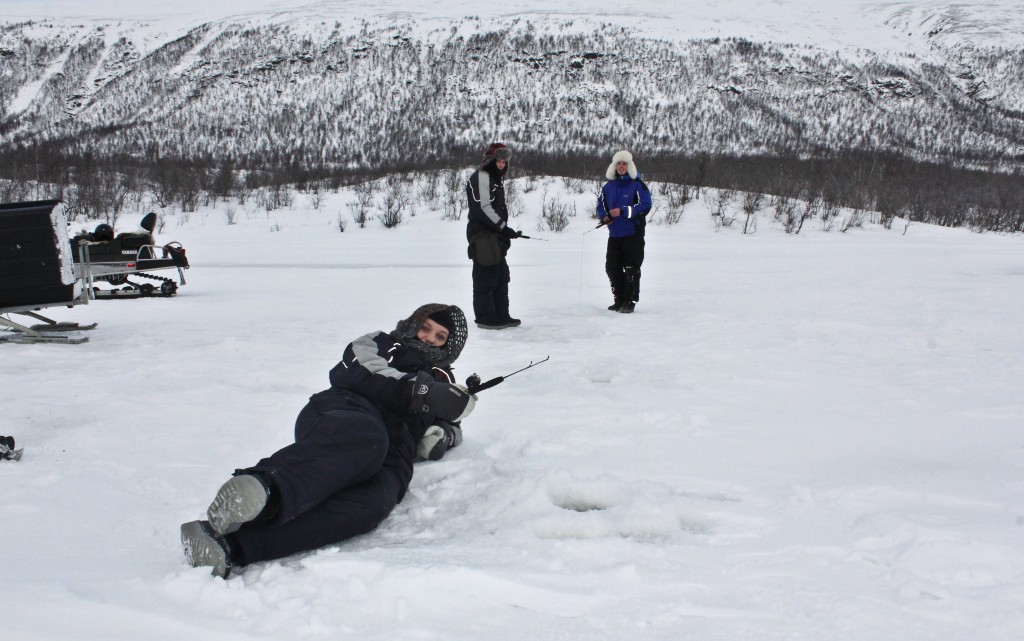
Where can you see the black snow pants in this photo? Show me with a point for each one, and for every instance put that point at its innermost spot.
(341, 477)
(622, 264)
(490, 292)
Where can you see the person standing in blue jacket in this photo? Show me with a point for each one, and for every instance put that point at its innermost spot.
(623, 205)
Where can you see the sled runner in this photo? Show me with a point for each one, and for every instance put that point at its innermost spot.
(102, 257)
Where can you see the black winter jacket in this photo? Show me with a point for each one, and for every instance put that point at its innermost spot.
(380, 370)
(485, 191)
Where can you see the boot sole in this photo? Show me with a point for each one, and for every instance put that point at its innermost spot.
(238, 501)
(202, 549)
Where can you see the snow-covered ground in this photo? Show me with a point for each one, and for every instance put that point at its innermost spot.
(794, 437)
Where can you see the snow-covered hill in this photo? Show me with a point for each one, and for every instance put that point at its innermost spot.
(333, 83)
(907, 26)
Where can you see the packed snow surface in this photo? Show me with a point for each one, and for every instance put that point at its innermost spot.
(794, 437)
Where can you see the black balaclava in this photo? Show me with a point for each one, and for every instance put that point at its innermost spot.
(448, 316)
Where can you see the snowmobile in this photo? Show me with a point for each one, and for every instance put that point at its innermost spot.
(104, 257)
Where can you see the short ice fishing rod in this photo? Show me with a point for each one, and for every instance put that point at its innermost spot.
(474, 385)
(603, 222)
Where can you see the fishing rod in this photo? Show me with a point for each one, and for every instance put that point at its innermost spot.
(474, 385)
(603, 223)
(532, 238)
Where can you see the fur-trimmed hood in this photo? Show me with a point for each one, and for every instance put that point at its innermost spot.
(630, 166)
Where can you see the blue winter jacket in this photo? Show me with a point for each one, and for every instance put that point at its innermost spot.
(631, 196)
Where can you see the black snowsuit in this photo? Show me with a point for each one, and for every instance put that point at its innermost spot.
(352, 460)
(489, 238)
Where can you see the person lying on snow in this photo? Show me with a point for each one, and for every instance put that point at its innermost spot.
(393, 398)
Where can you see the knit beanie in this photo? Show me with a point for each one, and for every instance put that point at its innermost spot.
(621, 156)
(443, 317)
(448, 316)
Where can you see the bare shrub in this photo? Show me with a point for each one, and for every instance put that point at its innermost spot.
(854, 220)
(677, 197)
(454, 188)
(274, 197)
(720, 204)
(574, 185)
(390, 212)
(12, 191)
(531, 184)
(555, 214)
(751, 203)
(829, 213)
(430, 189)
(808, 210)
(792, 213)
(315, 198)
(887, 212)
(360, 207)
(102, 196)
(513, 200)
(399, 189)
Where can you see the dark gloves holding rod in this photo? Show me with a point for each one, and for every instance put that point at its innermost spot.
(510, 233)
(445, 401)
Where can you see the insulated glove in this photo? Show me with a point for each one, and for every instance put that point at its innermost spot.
(510, 233)
(438, 439)
(445, 401)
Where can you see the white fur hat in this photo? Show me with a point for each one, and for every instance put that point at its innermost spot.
(619, 157)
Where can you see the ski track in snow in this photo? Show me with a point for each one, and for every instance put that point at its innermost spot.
(811, 436)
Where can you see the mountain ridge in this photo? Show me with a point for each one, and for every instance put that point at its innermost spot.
(295, 94)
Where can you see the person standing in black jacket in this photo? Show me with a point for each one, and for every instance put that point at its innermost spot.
(490, 238)
(392, 398)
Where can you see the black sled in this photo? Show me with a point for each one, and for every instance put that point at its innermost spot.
(37, 272)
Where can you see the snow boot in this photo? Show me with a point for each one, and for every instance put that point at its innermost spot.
(491, 325)
(512, 322)
(7, 451)
(203, 548)
(241, 500)
(626, 308)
